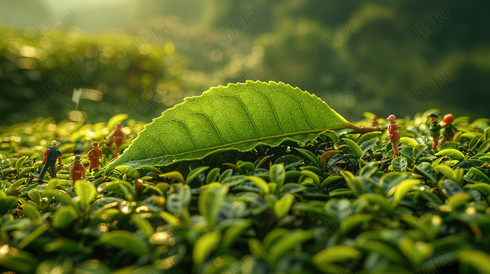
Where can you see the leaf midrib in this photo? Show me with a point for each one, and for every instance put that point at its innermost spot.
(251, 140)
(192, 153)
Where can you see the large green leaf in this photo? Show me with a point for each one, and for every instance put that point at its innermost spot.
(237, 117)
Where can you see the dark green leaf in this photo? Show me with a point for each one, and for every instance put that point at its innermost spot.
(475, 175)
(399, 164)
(194, 173)
(367, 145)
(428, 171)
(356, 150)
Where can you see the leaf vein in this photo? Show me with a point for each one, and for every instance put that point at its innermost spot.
(300, 104)
(246, 111)
(273, 110)
(256, 139)
(214, 125)
(189, 132)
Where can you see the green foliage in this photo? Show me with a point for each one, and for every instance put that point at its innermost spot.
(330, 204)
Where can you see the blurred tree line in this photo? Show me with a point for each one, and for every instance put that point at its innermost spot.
(39, 75)
(381, 56)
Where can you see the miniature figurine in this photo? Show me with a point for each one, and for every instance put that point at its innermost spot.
(77, 170)
(117, 136)
(448, 129)
(49, 160)
(393, 134)
(93, 155)
(374, 122)
(434, 130)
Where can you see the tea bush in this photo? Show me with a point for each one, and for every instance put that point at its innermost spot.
(338, 204)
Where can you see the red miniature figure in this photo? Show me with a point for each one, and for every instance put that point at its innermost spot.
(117, 136)
(77, 170)
(49, 160)
(393, 134)
(93, 155)
(374, 122)
(434, 130)
(448, 129)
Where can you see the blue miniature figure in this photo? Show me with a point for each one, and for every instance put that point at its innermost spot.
(49, 160)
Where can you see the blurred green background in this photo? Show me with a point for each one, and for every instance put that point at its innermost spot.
(88, 60)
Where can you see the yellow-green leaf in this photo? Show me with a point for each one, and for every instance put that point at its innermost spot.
(116, 119)
(277, 174)
(478, 260)
(204, 246)
(232, 234)
(403, 188)
(458, 199)
(236, 117)
(286, 243)
(445, 171)
(210, 202)
(260, 183)
(129, 171)
(282, 206)
(85, 191)
(173, 175)
(336, 254)
(408, 141)
(451, 152)
(143, 225)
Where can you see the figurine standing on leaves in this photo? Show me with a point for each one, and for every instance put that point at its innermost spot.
(374, 121)
(434, 130)
(116, 136)
(49, 160)
(393, 134)
(77, 170)
(93, 155)
(448, 129)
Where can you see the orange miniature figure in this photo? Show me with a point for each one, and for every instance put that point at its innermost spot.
(117, 136)
(374, 122)
(393, 134)
(448, 129)
(93, 155)
(77, 170)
